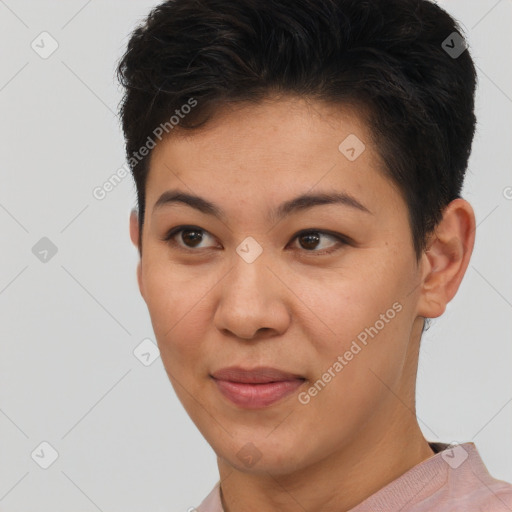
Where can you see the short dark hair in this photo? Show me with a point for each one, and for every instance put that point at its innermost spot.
(390, 57)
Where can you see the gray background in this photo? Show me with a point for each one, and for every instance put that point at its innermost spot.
(69, 325)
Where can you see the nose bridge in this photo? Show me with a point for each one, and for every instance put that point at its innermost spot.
(250, 275)
(250, 297)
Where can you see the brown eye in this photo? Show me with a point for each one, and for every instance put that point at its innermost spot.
(311, 240)
(191, 237)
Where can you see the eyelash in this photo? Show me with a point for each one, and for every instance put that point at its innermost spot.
(342, 240)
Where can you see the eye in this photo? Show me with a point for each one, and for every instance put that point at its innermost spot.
(191, 237)
(309, 241)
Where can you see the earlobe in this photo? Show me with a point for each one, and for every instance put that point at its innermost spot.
(447, 258)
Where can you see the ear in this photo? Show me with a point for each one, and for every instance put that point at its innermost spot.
(446, 259)
(134, 235)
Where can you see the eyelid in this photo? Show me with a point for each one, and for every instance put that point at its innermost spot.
(169, 236)
(341, 239)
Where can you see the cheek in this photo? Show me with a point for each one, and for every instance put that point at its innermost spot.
(352, 380)
(363, 316)
(177, 302)
(338, 306)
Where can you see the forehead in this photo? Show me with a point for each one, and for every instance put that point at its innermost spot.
(275, 150)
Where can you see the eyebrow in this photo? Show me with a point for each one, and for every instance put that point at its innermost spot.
(299, 203)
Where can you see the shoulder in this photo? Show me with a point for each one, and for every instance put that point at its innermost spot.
(484, 498)
(487, 496)
(496, 497)
(469, 486)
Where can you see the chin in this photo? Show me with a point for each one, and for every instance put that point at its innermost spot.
(278, 456)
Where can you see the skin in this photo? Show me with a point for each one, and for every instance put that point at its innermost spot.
(292, 309)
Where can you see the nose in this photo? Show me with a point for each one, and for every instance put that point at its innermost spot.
(254, 302)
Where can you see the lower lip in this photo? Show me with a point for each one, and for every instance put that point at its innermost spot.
(255, 396)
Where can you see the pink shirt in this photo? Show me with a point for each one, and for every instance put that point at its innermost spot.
(454, 479)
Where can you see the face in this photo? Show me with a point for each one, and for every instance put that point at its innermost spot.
(326, 291)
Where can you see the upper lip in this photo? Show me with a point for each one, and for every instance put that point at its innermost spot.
(258, 375)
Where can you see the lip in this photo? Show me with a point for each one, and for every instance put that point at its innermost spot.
(257, 387)
(258, 375)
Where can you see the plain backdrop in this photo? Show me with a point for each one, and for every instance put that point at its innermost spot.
(71, 315)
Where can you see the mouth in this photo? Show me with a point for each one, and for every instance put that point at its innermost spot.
(256, 388)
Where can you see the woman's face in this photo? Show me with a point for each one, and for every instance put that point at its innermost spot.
(242, 289)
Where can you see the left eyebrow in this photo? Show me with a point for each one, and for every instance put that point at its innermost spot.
(299, 203)
(306, 201)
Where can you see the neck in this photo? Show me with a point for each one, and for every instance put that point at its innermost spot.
(378, 453)
(337, 483)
